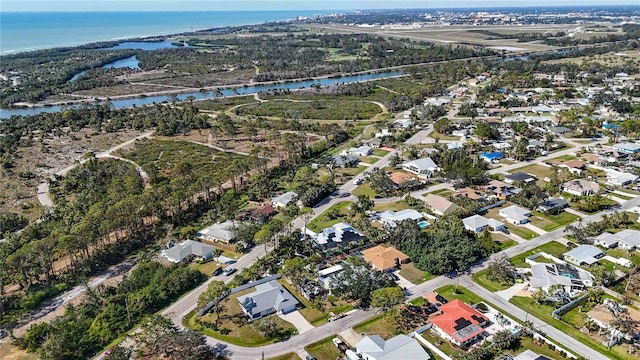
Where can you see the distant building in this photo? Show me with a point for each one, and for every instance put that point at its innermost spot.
(501, 189)
(374, 347)
(268, 298)
(628, 148)
(519, 176)
(580, 187)
(219, 232)
(460, 323)
(574, 166)
(283, 200)
(187, 250)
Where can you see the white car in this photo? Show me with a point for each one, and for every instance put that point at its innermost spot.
(358, 181)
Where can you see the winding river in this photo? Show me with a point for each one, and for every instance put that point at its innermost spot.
(245, 90)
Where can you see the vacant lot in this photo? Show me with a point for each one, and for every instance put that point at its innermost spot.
(333, 215)
(323, 349)
(551, 222)
(173, 158)
(316, 109)
(538, 171)
(552, 248)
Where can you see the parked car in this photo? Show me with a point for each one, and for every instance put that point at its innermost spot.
(228, 271)
(358, 181)
(340, 344)
(571, 244)
(217, 271)
(310, 357)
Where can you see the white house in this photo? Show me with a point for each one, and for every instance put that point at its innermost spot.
(583, 255)
(391, 218)
(374, 347)
(363, 150)
(283, 200)
(475, 223)
(580, 187)
(220, 232)
(424, 168)
(572, 279)
(268, 298)
(515, 214)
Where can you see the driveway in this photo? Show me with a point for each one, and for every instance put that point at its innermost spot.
(403, 283)
(297, 320)
(512, 291)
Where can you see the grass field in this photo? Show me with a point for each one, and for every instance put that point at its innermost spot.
(224, 104)
(318, 109)
(521, 231)
(377, 326)
(395, 206)
(12, 352)
(323, 221)
(481, 279)
(551, 222)
(552, 248)
(413, 274)
(381, 153)
(324, 349)
(289, 356)
(170, 156)
(538, 171)
(364, 189)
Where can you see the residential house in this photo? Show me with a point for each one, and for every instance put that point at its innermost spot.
(515, 214)
(501, 189)
(375, 143)
(269, 298)
(460, 323)
(363, 150)
(311, 289)
(383, 133)
(455, 145)
(424, 168)
(187, 250)
(629, 239)
(605, 313)
(526, 355)
(391, 218)
(627, 148)
(492, 157)
(338, 235)
(572, 279)
(560, 130)
(439, 205)
(495, 225)
(606, 240)
(261, 213)
(583, 255)
(519, 176)
(326, 276)
(400, 178)
(219, 232)
(475, 223)
(283, 200)
(471, 194)
(617, 178)
(374, 347)
(553, 206)
(384, 258)
(574, 166)
(580, 187)
(345, 161)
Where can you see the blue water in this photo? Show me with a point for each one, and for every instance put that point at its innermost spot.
(145, 45)
(423, 224)
(130, 62)
(150, 100)
(41, 30)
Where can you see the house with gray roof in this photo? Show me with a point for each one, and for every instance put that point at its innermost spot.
(391, 218)
(269, 298)
(345, 161)
(580, 187)
(553, 206)
(374, 347)
(515, 214)
(583, 255)
(475, 223)
(283, 200)
(606, 240)
(424, 168)
(187, 250)
(220, 232)
(363, 150)
(629, 239)
(572, 279)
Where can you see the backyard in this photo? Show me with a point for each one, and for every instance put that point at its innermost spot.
(552, 248)
(549, 222)
(333, 215)
(413, 274)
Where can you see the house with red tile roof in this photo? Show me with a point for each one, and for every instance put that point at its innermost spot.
(460, 323)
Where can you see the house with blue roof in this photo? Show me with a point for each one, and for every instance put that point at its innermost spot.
(492, 156)
(627, 148)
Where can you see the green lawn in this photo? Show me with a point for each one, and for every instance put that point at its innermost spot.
(623, 197)
(538, 171)
(521, 231)
(543, 312)
(323, 221)
(377, 325)
(351, 171)
(289, 356)
(324, 349)
(442, 192)
(313, 316)
(481, 279)
(381, 153)
(563, 158)
(527, 343)
(322, 110)
(552, 248)
(206, 268)
(434, 134)
(364, 189)
(368, 159)
(449, 292)
(395, 206)
(234, 322)
(551, 222)
(413, 274)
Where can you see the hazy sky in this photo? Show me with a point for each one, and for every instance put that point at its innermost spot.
(170, 5)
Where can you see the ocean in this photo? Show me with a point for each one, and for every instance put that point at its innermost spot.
(41, 30)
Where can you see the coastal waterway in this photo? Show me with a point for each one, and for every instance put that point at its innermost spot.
(243, 90)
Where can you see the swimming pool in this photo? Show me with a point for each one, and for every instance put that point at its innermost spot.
(423, 224)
